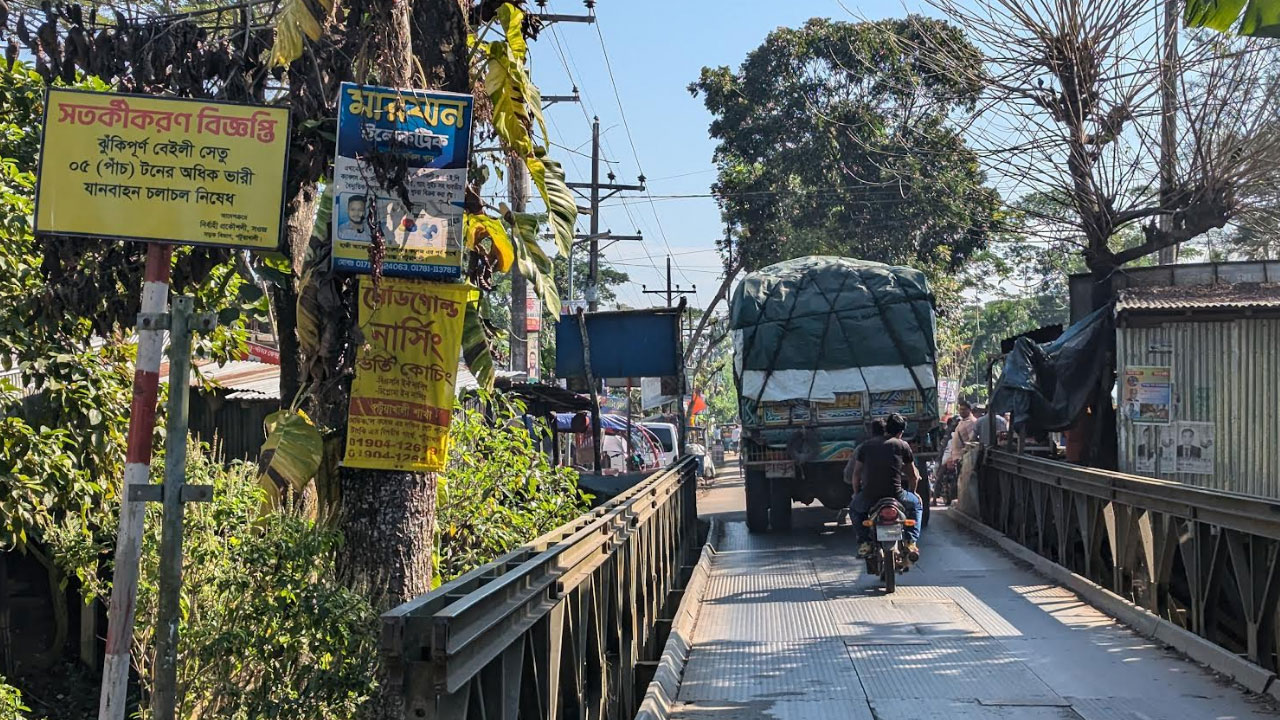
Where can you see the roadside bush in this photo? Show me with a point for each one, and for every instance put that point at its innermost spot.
(266, 630)
(499, 491)
(11, 707)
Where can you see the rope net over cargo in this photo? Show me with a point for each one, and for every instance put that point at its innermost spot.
(809, 328)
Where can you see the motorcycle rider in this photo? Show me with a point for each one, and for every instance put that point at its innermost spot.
(884, 467)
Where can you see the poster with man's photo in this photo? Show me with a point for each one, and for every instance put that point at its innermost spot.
(1194, 450)
(1167, 457)
(1148, 449)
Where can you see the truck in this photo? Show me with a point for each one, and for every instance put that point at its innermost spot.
(821, 347)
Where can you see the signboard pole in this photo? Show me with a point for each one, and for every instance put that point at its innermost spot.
(591, 387)
(142, 422)
(182, 322)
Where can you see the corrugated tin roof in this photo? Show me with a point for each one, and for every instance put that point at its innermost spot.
(252, 380)
(1200, 297)
(246, 379)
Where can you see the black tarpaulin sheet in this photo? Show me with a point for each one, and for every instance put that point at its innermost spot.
(1046, 386)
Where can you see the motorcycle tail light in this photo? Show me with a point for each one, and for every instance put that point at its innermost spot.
(888, 513)
(909, 523)
(866, 523)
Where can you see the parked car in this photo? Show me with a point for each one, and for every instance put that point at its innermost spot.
(668, 438)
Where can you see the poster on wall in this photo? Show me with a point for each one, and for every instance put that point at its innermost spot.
(1195, 449)
(1148, 394)
(403, 392)
(137, 167)
(431, 132)
(1168, 455)
(948, 393)
(1148, 449)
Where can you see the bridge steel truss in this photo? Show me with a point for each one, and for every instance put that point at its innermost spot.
(570, 625)
(1206, 560)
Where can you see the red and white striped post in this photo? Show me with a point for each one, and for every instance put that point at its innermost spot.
(142, 423)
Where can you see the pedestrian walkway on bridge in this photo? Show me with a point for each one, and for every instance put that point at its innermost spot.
(790, 627)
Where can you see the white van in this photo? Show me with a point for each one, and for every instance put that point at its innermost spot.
(668, 437)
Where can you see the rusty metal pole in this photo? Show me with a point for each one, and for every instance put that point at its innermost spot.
(142, 422)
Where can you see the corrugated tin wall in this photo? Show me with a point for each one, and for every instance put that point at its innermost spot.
(1224, 372)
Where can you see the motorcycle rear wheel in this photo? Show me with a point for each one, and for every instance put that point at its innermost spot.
(888, 572)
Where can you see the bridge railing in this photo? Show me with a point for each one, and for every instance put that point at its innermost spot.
(1206, 560)
(565, 626)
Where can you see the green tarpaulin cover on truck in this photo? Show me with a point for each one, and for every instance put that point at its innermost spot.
(813, 326)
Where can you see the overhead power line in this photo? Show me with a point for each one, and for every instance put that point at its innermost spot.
(608, 64)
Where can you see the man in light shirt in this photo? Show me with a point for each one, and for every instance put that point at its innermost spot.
(966, 432)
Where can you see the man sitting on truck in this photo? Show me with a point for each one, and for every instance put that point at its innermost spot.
(884, 467)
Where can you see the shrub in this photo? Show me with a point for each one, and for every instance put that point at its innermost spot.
(498, 491)
(266, 629)
(11, 707)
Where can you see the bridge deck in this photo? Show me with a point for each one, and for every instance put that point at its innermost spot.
(791, 628)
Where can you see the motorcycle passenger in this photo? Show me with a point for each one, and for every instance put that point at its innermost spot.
(884, 467)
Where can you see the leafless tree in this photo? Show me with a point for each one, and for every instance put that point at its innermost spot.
(1073, 113)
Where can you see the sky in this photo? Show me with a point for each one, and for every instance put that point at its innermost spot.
(655, 48)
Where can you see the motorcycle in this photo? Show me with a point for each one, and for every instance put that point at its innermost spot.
(888, 557)
(946, 490)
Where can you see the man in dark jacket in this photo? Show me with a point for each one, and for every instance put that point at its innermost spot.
(884, 467)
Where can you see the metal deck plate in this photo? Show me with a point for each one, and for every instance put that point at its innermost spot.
(946, 669)
(960, 710)
(790, 627)
(740, 671)
(785, 709)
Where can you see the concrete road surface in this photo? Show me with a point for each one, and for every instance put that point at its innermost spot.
(791, 628)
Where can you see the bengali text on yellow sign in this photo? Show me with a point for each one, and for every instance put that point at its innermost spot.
(403, 391)
(162, 169)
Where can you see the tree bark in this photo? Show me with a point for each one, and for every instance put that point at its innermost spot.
(1104, 449)
(721, 293)
(388, 524)
(301, 216)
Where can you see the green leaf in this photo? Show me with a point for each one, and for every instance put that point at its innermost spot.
(291, 454)
(548, 176)
(533, 262)
(1261, 19)
(512, 21)
(1217, 14)
(477, 346)
(507, 84)
(476, 226)
(295, 20)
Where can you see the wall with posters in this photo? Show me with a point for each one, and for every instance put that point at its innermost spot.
(1199, 402)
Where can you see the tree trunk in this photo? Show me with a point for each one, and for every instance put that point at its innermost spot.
(721, 293)
(388, 519)
(388, 524)
(1104, 450)
(302, 215)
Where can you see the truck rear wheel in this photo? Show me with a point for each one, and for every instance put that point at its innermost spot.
(780, 504)
(757, 486)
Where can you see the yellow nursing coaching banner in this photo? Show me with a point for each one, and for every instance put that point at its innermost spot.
(406, 370)
(144, 168)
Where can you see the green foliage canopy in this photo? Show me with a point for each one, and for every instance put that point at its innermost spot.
(834, 138)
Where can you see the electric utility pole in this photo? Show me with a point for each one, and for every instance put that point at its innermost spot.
(672, 290)
(595, 186)
(1168, 123)
(518, 193)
